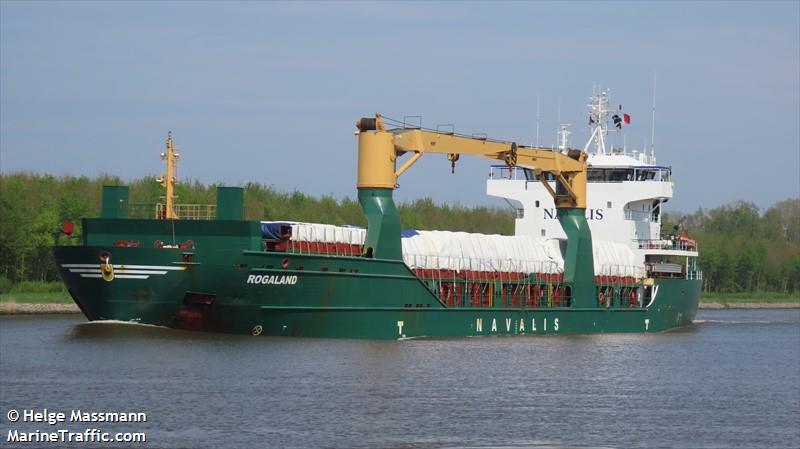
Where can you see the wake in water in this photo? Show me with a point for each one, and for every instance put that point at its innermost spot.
(131, 330)
(749, 317)
(125, 323)
(105, 329)
(786, 321)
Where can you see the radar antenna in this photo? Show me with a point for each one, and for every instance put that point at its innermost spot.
(598, 121)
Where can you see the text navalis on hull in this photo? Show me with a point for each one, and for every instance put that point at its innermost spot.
(226, 274)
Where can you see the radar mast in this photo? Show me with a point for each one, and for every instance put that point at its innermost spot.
(168, 180)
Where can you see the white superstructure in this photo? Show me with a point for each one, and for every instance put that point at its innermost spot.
(625, 193)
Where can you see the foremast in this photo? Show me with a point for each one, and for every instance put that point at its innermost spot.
(168, 179)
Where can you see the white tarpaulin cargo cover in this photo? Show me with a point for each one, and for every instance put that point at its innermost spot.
(310, 232)
(481, 252)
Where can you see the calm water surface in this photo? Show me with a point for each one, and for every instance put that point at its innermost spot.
(730, 381)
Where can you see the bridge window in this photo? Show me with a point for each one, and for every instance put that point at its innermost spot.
(620, 175)
(595, 175)
(529, 175)
(610, 174)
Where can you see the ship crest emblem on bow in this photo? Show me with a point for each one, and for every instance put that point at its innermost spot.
(106, 269)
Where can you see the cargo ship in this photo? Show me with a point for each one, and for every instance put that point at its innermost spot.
(205, 268)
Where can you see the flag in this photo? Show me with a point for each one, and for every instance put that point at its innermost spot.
(626, 118)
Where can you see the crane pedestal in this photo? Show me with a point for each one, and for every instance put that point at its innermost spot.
(578, 256)
(383, 224)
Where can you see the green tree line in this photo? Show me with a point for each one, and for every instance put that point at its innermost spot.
(741, 249)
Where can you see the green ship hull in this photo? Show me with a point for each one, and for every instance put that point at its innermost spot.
(212, 287)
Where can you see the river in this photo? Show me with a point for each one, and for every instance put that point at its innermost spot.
(732, 380)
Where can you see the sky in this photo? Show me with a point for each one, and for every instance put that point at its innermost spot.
(269, 92)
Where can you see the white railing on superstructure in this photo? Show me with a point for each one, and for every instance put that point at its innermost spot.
(673, 244)
(504, 172)
(596, 174)
(640, 156)
(635, 215)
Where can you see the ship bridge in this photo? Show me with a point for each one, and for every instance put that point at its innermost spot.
(625, 194)
(623, 202)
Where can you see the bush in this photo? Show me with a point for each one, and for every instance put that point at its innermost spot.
(38, 287)
(5, 284)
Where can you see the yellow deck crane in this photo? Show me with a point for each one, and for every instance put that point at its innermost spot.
(379, 149)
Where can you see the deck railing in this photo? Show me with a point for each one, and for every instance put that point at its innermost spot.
(673, 244)
(184, 211)
(694, 274)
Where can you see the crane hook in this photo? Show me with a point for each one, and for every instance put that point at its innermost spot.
(511, 158)
(452, 157)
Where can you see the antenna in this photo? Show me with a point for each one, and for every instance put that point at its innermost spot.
(538, 117)
(559, 119)
(563, 136)
(653, 123)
